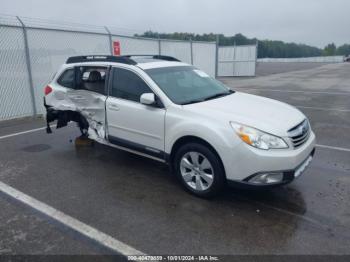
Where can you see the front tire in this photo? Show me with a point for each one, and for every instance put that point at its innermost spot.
(199, 169)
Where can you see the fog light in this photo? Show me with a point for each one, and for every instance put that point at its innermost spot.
(267, 178)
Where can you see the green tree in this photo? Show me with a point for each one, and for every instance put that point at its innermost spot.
(343, 50)
(330, 50)
(266, 48)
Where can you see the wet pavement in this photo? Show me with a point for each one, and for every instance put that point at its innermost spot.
(268, 68)
(26, 232)
(138, 201)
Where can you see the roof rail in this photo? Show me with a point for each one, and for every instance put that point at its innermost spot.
(101, 58)
(160, 57)
(125, 59)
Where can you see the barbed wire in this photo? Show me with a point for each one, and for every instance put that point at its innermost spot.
(11, 20)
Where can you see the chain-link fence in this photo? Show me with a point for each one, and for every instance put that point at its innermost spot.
(31, 51)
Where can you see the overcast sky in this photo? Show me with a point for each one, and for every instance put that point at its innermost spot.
(315, 22)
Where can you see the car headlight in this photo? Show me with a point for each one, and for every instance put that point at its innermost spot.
(258, 138)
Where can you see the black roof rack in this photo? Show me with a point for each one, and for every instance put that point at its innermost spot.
(101, 58)
(125, 59)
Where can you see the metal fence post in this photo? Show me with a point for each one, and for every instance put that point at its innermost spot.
(234, 58)
(110, 40)
(159, 46)
(191, 46)
(29, 67)
(217, 56)
(256, 55)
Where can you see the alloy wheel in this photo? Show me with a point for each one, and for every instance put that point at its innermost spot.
(196, 171)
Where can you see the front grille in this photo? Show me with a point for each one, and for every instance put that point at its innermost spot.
(300, 133)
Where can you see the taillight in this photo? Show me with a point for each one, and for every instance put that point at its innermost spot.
(48, 90)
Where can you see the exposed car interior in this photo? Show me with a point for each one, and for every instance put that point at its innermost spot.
(92, 79)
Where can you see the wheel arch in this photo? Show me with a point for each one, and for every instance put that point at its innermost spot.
(191, 139)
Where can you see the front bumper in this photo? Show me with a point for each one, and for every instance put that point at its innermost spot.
(288, 175)
(244, 162)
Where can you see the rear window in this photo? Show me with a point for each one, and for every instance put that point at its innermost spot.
(89, 78)
(67, 78)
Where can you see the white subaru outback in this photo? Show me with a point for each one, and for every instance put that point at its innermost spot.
(161, 108)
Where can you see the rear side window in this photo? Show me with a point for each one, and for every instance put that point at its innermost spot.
(127, 85)
(67, 78)
(91, 78)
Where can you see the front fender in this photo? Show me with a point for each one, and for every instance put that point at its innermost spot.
(218, 135)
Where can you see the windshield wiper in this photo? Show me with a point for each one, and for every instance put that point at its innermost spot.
(208, 98)
(193, 101)
(218, 95)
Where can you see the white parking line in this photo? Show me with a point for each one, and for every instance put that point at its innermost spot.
(305, 107)
(324, 109)
(334, 148)
(71, 222)
(294, 91)
(23, 132)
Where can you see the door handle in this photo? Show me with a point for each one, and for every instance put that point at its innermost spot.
(113, 107)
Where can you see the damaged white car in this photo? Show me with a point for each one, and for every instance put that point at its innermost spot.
(159, 107)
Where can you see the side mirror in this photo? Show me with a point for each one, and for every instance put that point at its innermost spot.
(148, 99)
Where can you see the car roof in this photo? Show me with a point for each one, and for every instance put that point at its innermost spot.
(159, 64)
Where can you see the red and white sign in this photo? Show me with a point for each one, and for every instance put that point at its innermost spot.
(116, 47)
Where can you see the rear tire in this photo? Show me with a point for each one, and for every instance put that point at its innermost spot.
(199, 169)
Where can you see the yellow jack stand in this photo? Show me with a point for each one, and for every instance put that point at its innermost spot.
(83, 142)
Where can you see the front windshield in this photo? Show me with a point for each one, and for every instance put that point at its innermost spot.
(186, 84)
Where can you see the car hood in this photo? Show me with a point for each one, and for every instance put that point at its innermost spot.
(259, 112)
